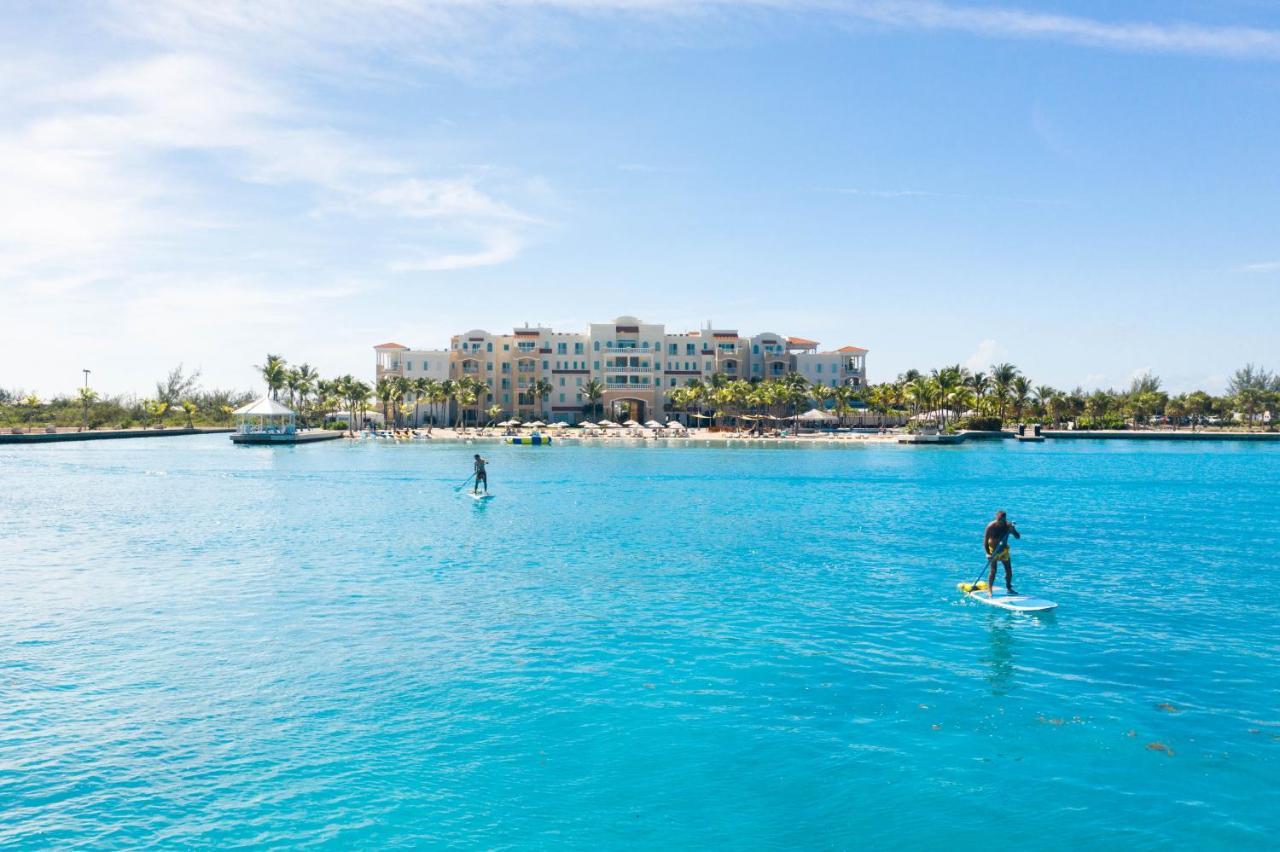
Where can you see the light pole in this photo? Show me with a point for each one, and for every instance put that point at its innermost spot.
(85, 405)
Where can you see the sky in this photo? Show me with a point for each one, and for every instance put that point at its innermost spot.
(1087, 189)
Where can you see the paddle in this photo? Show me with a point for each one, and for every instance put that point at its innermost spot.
(986, 568)
(464, 483)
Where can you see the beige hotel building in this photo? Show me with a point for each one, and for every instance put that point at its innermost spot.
(638, 364)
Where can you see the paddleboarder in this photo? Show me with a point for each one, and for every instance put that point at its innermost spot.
(996, 542)
(481, 476)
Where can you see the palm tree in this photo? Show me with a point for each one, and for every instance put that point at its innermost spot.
(1002, 379)
(1042, 395)
(539, 390)
(189, 408)
(1019, 394)
(465, 394)
(844, 395)
(403, 387)
(438, 393)
(87, 396)
(421, 389)
(31, 401)
(306, 383)
(493, 411)
(385, 391)
(1176, 409)
(593, 390)
(274, 374)
(820, 394)
(1096, 407)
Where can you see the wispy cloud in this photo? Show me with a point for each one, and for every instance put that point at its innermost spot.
(432, 31)
(893, 194)
(1265, 266)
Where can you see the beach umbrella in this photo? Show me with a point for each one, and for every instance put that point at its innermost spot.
(816, 414)
(631, 424)
(676, 424)
(559, 424)
(653, 424)
(606, 423)
(537, 424)
(507, 423)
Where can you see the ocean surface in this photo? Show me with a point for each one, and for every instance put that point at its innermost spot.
(643, 647)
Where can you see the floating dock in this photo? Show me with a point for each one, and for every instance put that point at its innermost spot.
(285, 440)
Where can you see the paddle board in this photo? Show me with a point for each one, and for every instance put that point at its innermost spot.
(475, 496)
(1014, 603)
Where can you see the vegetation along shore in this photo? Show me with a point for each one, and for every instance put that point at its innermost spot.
(950, 398)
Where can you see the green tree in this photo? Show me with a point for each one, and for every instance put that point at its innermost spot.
(275, 374)
(87, 396)
(189, 409)
(593, 390)
(538, 391)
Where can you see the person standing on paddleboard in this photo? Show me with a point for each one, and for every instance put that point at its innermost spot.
(996, 542)
(482, 476)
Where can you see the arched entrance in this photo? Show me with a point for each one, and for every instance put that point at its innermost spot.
(627, 408)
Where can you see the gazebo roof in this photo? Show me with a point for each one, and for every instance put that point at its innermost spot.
(264, 407)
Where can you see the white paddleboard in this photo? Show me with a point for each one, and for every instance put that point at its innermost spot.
(475, 496)
(1015, 603)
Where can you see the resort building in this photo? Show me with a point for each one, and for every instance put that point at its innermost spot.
(636, 363)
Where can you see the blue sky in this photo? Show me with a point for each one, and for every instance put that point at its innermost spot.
(1086, 189)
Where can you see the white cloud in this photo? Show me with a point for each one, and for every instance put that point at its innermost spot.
(1265, 266)
(988, 352)
(434, 31)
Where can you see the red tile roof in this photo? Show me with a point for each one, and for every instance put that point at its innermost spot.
(391, 346)
(851, 349)
(802, 341)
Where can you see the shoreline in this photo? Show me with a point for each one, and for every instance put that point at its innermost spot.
(106, 434)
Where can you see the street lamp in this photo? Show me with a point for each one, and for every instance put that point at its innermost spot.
(85, 405)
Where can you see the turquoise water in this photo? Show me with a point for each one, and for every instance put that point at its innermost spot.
(203, 644)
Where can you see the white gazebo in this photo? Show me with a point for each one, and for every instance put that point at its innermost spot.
(816, 414)
(264, 421)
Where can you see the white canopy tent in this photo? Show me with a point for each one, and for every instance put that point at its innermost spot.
(816, 414)
(265, 416)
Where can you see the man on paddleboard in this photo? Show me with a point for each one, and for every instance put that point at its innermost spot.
(996, 542)
(482, 476)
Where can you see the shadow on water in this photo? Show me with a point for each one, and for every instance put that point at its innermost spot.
(1002, 646)
(1000, 651)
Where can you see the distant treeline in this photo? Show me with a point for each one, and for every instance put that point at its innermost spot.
(178, 400)
(1006, 395)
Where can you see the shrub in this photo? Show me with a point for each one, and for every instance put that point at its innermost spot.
(982, 424)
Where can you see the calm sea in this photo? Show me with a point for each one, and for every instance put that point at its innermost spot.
(210, 645)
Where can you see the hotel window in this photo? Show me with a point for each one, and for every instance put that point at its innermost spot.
(562, 385)
(562, 349)
(545, 365)
(597, 365)
(817, 368)
(489, 346)
(756, 349)
(506, 383)
(506, 397)
(755, 367)
(562, 397)
(673, 383)
(506, 347)
(671, 348)
(577, 349)
(506, 366)
(408, 365)
(489, 366)
(690, 349)
(597, 345)
(579, 381)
